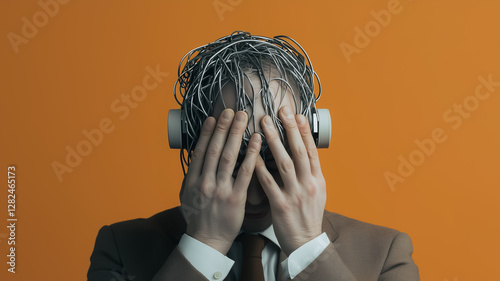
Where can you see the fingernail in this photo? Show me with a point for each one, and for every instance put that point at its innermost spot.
(240, 116)
(267, 121)
(257, 138)
(227, 114)
(300, 119)
(287, 112)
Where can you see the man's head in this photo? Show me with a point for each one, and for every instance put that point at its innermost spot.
(255, 74)
(244, 72)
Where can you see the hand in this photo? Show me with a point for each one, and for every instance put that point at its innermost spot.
(297, 207)
(212, 201)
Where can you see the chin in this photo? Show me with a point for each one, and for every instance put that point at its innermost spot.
(257, 223)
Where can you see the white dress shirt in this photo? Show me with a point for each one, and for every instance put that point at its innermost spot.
(215, 266)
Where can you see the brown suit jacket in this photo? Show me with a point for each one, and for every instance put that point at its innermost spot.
(143, 249)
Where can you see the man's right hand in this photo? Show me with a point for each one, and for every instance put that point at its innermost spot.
(213, 202)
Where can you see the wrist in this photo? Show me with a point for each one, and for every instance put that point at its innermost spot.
(299, 242)
(221, 245)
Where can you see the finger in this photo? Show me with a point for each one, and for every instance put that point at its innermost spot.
(232, 147)
(217, 143)
(295, 142)
(312, 151)
(267, 182)
(283, 161)
(247, 167)
(198, 156)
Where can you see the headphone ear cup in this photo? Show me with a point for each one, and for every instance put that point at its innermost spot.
(321, 127)
(175, 129)
(324, 128)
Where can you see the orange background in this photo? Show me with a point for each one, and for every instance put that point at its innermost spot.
(394, 91)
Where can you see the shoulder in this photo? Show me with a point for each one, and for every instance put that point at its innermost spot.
(348, 226)
(139, 245)
(155, 221)
(370, 243)
(168, 224)
(142, 235)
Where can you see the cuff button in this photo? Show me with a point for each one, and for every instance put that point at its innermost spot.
(217, 275)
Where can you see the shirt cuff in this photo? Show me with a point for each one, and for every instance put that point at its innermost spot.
(208, 261)
(302, 257)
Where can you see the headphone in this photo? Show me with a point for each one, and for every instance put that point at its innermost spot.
(319, 120)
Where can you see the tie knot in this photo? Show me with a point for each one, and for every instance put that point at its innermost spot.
(253, 245)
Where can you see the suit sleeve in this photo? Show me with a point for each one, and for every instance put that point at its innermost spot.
(399, 264)
(328, 266)
(105, 261)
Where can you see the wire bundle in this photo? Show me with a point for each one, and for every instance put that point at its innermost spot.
(230, 61)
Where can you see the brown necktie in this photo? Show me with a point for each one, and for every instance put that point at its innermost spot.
(252, 258)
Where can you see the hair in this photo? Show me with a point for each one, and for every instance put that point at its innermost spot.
(204, 71)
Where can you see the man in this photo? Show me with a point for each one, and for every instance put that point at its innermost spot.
(253, 198)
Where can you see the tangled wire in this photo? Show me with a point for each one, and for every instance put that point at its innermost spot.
(205, 71)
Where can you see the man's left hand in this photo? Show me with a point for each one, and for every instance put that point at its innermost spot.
(297, 207)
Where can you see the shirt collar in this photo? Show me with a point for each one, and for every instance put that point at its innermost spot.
(269, 234)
